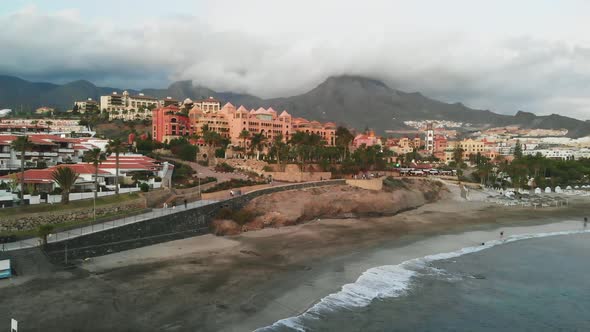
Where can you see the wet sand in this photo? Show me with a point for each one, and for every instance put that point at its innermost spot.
(247, 281)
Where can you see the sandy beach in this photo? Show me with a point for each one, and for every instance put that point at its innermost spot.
(247, 281)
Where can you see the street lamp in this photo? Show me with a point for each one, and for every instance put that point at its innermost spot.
(93, 208)
(199, 179)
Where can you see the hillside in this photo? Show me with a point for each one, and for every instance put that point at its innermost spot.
(350, 100)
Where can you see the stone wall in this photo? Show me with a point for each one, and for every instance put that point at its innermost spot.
(182, 224)
(252, 165)
(298, 176)
(370, 184)
(156, 198)
(33, 220)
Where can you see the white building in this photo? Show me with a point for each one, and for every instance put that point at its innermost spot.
(563, 154)
(87, 105)
(128, 107)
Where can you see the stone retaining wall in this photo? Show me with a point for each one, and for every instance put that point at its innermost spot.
(183, 224)
(34, 220)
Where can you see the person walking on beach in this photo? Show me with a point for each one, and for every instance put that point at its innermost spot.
(585, 222)
(185, 203)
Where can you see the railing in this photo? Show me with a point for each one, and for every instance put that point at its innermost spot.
(99, 227)
(155, 213)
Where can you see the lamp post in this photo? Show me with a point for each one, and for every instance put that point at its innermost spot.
(93, 209)
(199, 179)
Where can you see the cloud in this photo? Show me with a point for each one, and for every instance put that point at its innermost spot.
(274, 49)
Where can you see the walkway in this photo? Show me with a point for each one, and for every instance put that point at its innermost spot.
(60, 236)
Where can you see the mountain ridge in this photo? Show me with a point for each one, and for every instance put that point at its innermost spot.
(347, 99)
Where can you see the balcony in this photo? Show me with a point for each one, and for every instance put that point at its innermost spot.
(65, 150)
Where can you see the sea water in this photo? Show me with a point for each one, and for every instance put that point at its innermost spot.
(531, 282)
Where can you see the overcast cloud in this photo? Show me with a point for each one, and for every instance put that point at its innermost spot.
(502, 56)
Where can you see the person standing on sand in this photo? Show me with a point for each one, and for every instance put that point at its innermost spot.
(185, 204)
(585, 222)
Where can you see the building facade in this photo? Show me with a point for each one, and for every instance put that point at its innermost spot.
(128, 107)
(88, 105)
(228, 121)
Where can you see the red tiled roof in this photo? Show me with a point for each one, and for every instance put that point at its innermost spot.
(44, 175)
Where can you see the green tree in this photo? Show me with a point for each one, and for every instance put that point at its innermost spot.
(22, 144)
(458, 155)
(279, 147)
(116, 146)
(257, 143)
(244, 135)
(343, 140)
(96, 157)
(43, 232)
(518, 150)
(65, 177)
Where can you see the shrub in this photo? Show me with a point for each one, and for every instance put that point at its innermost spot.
(390, 183)
(224, 167)
(233, 183)
(43, 231)
(188, 152)
(144, 187)
(267, 168)
(241, 217)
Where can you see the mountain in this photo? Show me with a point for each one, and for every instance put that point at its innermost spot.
(352, 100)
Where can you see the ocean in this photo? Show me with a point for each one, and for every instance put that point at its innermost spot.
(527, 282)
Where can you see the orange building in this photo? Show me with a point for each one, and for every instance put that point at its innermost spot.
(230, 121)
(168, 123)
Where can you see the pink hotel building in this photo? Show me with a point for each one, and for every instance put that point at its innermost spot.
(229, 121)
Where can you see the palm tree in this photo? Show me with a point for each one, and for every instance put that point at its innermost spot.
(65, 177)
(343, 139)
(96, 157)
(116, 146)
(244, 134)
(257, 143)
(22, 144)
(279, 146)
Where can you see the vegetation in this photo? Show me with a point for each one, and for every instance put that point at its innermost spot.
(21, 144)
(183, 149)
(390, 184)
(233, 183)
(65, 177)
(96, 157)
(116, 146)
(144, 187)
(224, 168)
(43, 232)
(532, 171)
(241, 217)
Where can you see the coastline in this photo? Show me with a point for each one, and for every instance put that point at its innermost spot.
(248, 281)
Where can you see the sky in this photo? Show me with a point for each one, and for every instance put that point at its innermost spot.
(505, 56)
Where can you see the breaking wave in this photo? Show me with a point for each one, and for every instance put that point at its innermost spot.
(387, 281)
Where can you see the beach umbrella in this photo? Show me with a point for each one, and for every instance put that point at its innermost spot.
(548, 190)
(577, 187)
(538, 190)
(558, 190)
(568, 188)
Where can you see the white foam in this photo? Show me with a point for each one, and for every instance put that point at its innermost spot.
(388, 281)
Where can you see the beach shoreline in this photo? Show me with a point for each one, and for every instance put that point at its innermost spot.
(244, 282)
